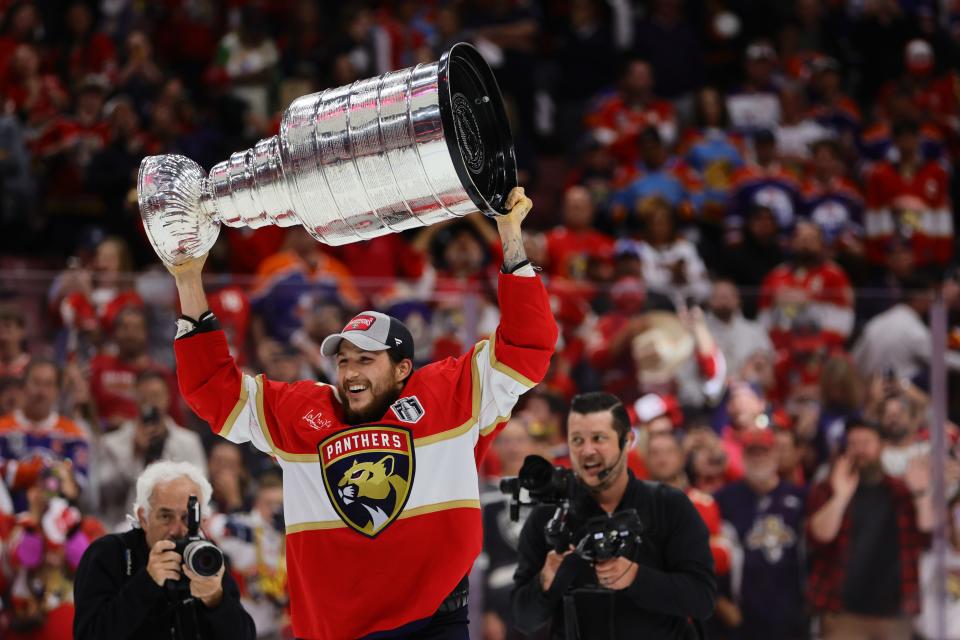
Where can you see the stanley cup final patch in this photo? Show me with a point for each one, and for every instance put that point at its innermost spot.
(408, 409)
(368, 472)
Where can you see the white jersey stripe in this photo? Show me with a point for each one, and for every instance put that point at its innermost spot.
(407, 513)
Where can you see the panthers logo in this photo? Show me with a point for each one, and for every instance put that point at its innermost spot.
(368, 472)
(771, 536)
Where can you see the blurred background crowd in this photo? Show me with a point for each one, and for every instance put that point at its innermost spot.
(744, 211)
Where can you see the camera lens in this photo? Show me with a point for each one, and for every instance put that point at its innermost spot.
(536, 473)
(203, 558)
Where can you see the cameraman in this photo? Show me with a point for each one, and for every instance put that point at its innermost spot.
(120, 589)
(667, 580)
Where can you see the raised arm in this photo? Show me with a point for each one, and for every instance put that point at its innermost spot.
(189, 279)
(233, 404)
(509, 227)
(517, 356)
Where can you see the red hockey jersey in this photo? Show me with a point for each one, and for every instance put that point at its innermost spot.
(383, 519)
(819, 297)
(916, 208)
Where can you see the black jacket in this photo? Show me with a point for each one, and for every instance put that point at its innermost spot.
(675, 580)
(116, 598)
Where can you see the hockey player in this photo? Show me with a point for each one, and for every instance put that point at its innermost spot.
(381, 497)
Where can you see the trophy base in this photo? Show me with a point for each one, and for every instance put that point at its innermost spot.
(481, 146)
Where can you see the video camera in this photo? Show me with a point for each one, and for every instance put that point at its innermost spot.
(599, 538)
(202, 556)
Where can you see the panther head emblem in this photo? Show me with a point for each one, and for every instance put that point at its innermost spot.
(368, 472)
(374, 486)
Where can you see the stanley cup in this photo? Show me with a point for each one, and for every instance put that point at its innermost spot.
(406, 149)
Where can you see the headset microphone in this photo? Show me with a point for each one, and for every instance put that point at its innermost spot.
(608, 470)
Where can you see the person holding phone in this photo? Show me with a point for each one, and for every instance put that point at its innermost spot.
(153, 435)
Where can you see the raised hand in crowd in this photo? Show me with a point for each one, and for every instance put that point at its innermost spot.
(844, 478)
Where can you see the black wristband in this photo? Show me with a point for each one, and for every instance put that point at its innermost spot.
(187, 326)
(515, 268)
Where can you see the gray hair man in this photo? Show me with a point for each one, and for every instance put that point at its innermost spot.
(122, 588)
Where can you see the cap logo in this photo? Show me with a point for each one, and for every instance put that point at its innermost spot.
(360, 323)
(398, 341)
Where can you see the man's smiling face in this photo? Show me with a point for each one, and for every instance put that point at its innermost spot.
(368, 382)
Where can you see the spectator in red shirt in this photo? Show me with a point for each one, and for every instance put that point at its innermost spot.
(35, 97)
(865, 534)
(570, 244)
(809, 292)
(934, 95)
(87, 51)
(910, 199)
(609, 347)
(113, 373)
(88, 300)
(618, 119)
(21, 25)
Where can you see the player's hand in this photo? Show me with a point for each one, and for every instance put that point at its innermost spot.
(616, 573)
(192, 268)
(550, 567)
(164, 563)
(518, 205)
(206, 589)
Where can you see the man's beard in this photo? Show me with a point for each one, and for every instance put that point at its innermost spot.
(896, 432)
(871, 471)
(374, 411)
(805, 258)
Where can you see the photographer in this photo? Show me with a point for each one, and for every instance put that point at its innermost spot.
(135, 585)
(661, 583)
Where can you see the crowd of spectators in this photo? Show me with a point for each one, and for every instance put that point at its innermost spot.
(744, 211)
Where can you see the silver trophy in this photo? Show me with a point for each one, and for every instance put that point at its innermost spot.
(406, 149)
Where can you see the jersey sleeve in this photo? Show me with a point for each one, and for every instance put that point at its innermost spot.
(232, 403)
(517, 356)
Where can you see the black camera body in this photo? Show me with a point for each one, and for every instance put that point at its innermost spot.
(544, 484)
(598, 539)
(609, 537)
(202, 556)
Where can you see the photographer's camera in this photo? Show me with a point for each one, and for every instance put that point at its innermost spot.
(199, 554)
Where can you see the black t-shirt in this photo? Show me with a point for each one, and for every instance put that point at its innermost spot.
(872, 583)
